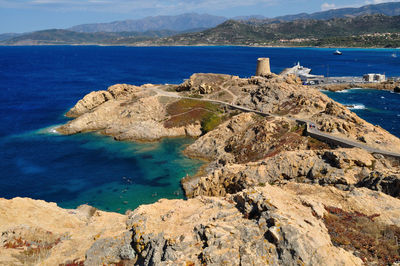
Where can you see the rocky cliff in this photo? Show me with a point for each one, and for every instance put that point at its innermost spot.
(291, 224)
(269, 194)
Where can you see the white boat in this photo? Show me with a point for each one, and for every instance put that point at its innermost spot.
(394, 55)
(337, 52)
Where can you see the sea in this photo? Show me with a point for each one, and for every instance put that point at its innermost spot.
(38, 85)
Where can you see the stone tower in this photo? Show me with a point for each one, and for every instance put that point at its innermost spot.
(263, 67)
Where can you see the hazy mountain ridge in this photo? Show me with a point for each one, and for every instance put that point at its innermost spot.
(182, 22)
(388, 9)
(302, 32)
(60, 36)
(7, 36)
(346, 31)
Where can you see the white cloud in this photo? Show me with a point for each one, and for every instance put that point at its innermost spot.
(368, 2)
(327, 6)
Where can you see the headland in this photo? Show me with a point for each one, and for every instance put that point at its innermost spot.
(292, 177)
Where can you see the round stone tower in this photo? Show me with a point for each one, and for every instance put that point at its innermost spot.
(263, 67)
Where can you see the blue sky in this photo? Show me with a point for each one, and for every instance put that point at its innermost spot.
(30, 15)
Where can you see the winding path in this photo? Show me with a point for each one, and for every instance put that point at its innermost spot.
(310, 128)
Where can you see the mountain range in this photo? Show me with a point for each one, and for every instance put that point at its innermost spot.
(182, 22)
(190, 21)
(305, 32)
(332, 27)
(388, 9)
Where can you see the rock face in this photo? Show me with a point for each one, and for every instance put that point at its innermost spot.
(270, 225)
(127, 113)
(34, 232)
(386, 85)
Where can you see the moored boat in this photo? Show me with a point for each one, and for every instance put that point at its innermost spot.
(337, 52)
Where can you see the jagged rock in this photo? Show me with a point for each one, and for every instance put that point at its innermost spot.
(270, 225)
(89, 102)
(123, 91)
(201, 83)
(389, 184)
(343, 168)
(108, 251)
(60, 235)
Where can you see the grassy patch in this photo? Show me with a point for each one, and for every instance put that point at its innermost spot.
(258, 142)
(187, 111)
(314, 144)
(34, 246)
(299, 129)
(373, 242)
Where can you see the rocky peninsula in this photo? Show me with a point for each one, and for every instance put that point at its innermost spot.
(270, 193)
(388, 85)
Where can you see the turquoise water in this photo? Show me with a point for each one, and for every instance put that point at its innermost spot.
(101, 172)
(39, 84)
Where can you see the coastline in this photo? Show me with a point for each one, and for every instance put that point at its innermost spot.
(204, 45)
(388, 86)
(267, 186)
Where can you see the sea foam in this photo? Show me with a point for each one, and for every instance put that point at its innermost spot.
(357, 107)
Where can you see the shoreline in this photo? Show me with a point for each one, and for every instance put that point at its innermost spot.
(204, 45)
(346, 86)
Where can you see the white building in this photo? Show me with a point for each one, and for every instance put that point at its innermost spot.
(374, 77)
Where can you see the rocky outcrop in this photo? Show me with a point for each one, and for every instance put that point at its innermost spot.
(34, 232)
(201, 83)
(89, 102)
(127, 113)
(274, 225)
(261, 226)
(249, 137)
(386, 85)
(387, 183)
(342, 168)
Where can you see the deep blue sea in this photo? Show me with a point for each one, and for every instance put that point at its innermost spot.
(39, 84)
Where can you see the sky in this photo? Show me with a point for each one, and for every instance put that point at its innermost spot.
(30, 15)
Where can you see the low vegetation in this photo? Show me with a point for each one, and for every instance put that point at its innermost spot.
(265, 143)
(373, 242)
(33, 247)
(187, 111)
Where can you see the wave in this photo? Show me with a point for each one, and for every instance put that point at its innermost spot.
(356, 106)
(48, 130)
(343, 91)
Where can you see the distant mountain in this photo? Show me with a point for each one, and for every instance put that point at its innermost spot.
(250, 17)
(59, 36)
(182, 22)
(384, 30)
(6, 36)
(388, 9)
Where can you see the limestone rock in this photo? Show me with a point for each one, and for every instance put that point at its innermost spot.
(270, 225)
(123, 91)
(60, 235)
(389, 184)
(201, 83)
(344, 168)
(89, 102)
